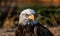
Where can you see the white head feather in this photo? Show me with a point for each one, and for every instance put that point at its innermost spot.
(22, 18)
(28, 11)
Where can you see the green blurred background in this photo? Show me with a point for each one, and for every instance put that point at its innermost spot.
(48, 11)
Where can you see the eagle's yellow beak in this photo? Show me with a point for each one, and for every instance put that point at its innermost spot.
(31, 17)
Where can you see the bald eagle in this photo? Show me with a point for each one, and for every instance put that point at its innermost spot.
(28, 26)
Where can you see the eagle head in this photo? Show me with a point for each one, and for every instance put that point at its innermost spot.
(26, 15)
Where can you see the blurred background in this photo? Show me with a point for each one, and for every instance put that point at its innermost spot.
(48, 12)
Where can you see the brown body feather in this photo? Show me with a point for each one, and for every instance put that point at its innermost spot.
(32, 30)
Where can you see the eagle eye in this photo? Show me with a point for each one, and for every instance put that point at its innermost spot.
(27, 14)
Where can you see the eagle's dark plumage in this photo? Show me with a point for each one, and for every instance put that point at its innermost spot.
(31, 28)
